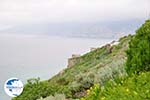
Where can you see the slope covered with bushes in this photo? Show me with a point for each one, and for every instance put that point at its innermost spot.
(137, 85)
(105, 66)
(139, 50)
(97, 66)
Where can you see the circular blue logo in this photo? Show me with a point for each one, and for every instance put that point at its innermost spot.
(13, 87)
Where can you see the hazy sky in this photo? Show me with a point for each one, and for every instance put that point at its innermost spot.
(19, 12)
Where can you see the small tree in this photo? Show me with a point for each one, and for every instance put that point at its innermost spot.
(138, 54)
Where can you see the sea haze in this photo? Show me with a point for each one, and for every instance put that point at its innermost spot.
(28, 56)
(112, 29)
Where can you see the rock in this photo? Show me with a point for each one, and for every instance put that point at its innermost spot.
(74, 60)
(92, 49)
(114, 43)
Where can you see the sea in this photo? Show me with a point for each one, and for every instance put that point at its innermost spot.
(32, 56)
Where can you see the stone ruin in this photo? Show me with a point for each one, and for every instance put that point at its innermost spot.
(92, 49)
(73, 60)
(76, 58)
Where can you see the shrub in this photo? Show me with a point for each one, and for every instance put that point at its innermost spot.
(35, 89)
(93, 93)
(55, 97)
(134, 87)
(138, 54)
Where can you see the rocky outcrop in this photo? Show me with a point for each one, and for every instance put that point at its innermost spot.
(73, 60)
(93, 49)
(114, 43)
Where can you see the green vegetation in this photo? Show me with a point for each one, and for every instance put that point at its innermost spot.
(35, 89)
(139, 50)
(55, 97)
(135, 87)
(101, 74)
(97, 66)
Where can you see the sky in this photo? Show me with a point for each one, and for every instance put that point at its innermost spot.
(23, 14)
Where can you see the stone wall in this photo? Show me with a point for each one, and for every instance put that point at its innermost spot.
(92, 49)
(73, 60)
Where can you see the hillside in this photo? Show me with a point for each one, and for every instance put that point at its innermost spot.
(134, 86)
(119, 70)
(97, 66)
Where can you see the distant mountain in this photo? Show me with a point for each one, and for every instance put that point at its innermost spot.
(106, 29)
